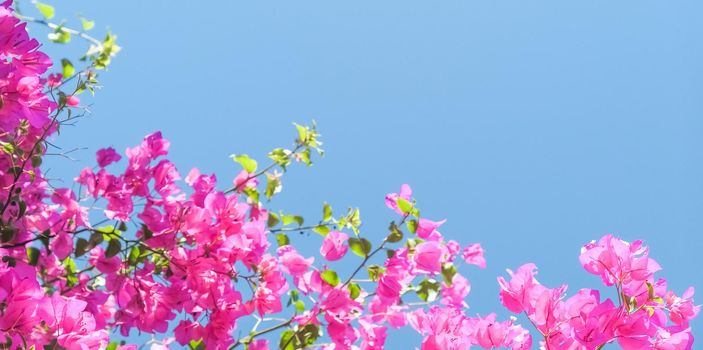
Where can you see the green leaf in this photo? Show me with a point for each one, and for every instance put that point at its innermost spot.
(82, 247)
(197, 345)
(86, 24)
(109, 231)
(396, 235)
(412, 225)
(302, 133)
(8, 148)
(112, 346)
(252, 193)
(7, 234)
(36, 161)
(134, 256)
(299, 306)
(281, 157)
(326, 212)
(247, 163)
(282, 239)
(428, 291)
(273, 185)
(354, 290)
(351, 220)
(448, 272)
(404, 205)
(305, 157)
(32, 256)
(307, 335)
(287, 342)
(289, 219)
(68, 69)
(273, 220)
(113, 248)
(60, 36)
(95, 239)
(330, 277)
(70, 268)
(375, 272)
(322, 230)
(360, 246)
(650, 291)
(46, 10)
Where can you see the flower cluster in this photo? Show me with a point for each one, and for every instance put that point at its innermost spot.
(645, 316)
(135, 247)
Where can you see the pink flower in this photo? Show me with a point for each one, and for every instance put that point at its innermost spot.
(334, 246)
(258, 345)
(107, 156)
(428, 257)
(72, 101)
(293, 263)
(473, 254)
(105, 264)
(454, 294)
(392, 198)
(373, 336)
(681, 308)
(515, 295)
(54, 80)
(427, 229)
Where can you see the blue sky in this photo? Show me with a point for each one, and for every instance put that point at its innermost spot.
(532, 127)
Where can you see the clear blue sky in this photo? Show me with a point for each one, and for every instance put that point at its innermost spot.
(532, 126)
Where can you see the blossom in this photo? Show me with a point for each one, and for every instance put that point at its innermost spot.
(473, 254)
(392, 198)
(334, 246)
(107, 156)
(428, 257)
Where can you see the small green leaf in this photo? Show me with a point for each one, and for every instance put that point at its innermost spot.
(60, 36)
(273, 185)
(326, 212)
(448, 272)
(289, 219)
(252, 193)
(8, 148)
(412, 225)
(322, 230)
(134, 256)
(46, 10)
(330, 277)
(86, 24)
(404, 205)
(82, 247)
(302, 133)
(247, 163)
(32, 256)
(299, 306)
(7, 234)
(112, 346)
(287, 342)
(197, 345)
(281, 157)
(113, 248)
(273, 220)
(396, 235)
(68, 69)
(282, 239)
(428, 291)
(360, 246)
(354, 290)
(375, 272)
